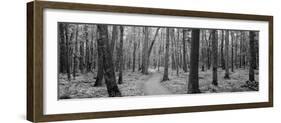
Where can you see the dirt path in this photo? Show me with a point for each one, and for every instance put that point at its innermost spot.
(153, 87)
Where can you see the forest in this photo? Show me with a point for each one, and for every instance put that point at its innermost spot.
(103, 60)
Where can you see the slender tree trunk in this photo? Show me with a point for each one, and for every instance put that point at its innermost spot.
(243, 50)
(145, 52)
(121, 63)
(75, 53)
(240, 50)
(92, 60)
(67, 52)
(214, 56)
(165, 77)
(139, 58)
(184, 50)
(177, 53)
(226, 76)
(153, 42)
(257, 52)
(252, 56)
(81, 57)
(236, 50)
(209, 50)
(232, 46)
(159, 56)
(222, 54)
(87, 49)
(202, 50)
(109, 74)
(193, 84)
(172, 35)
(134, 50)
(134, 56)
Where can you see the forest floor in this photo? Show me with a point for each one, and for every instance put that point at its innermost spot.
(82, 86)
(153, 87)
(137, 84)
(178, 83)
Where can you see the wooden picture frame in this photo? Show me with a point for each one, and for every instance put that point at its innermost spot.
(35, 46)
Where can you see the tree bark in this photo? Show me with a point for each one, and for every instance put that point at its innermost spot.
(134, 54)
(67, 52)
(226, 76)
(214, 56)
(232, 52)
(193, 84)
(159, 56)
(222, 54)
(184, 50)
(114, 38)
(252, 56)
(81, 57)
(177, 53)
(62, 48)
(240, 50)
(75, 53)
(145, 52)
(121, 61)
(100, 73)
(236, 50)
(88, 64)
(109, 74)
(152, 42)
(209, 51)
(202, 50)
(166, 70)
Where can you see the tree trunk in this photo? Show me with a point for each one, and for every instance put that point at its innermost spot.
(243, 50)
(240, 50)
(222, 54)
(159, 56)
(88, 64)
(236, 50)
(75, 53)
(257, 51)
(81, 57)
(184, 50)
(209, 51)
(62, 52)
(193, 84)
(145, 52)
(202, 50)
(232, 53)
(177, 53)
(153, 42)
(67, 52)
(134, 56)
(172, 35)
(252, 56)
(121, 61)
(214, 56)
(109, 74)
(226, 76)
(114, 38)
(134, 50)
(165, 77)
(100, 73)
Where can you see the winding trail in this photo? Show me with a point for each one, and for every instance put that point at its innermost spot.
(153, 87)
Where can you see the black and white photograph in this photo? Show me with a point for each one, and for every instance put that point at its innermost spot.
(110, 60)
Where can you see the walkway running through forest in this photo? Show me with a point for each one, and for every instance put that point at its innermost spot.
(153, 87)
